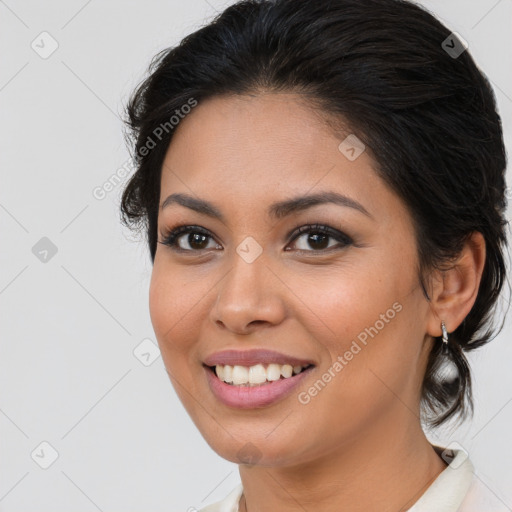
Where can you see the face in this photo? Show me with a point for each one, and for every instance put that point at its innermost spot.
(340, 299)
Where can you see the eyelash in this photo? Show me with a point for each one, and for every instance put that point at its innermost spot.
(170, 237)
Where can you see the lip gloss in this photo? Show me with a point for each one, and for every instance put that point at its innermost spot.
(249, 397)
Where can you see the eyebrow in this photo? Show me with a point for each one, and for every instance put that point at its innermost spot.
(277, 210)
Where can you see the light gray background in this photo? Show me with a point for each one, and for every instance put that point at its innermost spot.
(69, 325)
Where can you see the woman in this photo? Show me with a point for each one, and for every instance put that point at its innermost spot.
(322, 188)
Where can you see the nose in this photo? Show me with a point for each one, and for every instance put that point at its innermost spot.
(248, 297)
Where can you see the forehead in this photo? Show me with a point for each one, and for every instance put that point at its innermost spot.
(251, 149)
(250, 129)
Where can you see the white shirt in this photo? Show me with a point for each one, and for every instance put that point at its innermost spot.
(456, 489)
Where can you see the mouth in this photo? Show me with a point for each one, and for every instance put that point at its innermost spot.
(256, 386)
(256, 375)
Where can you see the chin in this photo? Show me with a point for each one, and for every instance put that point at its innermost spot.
(258, 450)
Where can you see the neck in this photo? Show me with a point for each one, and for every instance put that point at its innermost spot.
(386, 469)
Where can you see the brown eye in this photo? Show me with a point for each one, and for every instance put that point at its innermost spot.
(188, 239)
(195, 240)
(316, 237)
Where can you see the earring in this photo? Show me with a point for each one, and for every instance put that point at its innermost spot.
(445, 333)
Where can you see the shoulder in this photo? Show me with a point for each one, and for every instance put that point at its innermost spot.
(228, 504)
(458, 488)
(481, 498)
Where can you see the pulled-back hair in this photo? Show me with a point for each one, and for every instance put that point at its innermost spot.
(385, 69)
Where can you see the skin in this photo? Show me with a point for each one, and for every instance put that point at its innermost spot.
(362, 430)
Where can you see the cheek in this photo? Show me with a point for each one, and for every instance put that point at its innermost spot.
(361, 316)
(169, 303)
(178, 299)
(342, 302)
(160, 303)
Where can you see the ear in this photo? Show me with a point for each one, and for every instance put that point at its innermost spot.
(455, 290)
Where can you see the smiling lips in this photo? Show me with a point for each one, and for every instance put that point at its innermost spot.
(255, 366)
(255, 375)
(253, 378)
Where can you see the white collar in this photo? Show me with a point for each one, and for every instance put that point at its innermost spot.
(448, 490)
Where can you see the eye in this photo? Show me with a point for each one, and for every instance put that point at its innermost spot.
(197, 239)
(318, 237)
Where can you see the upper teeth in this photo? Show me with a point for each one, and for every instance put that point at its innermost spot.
(256, 374)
